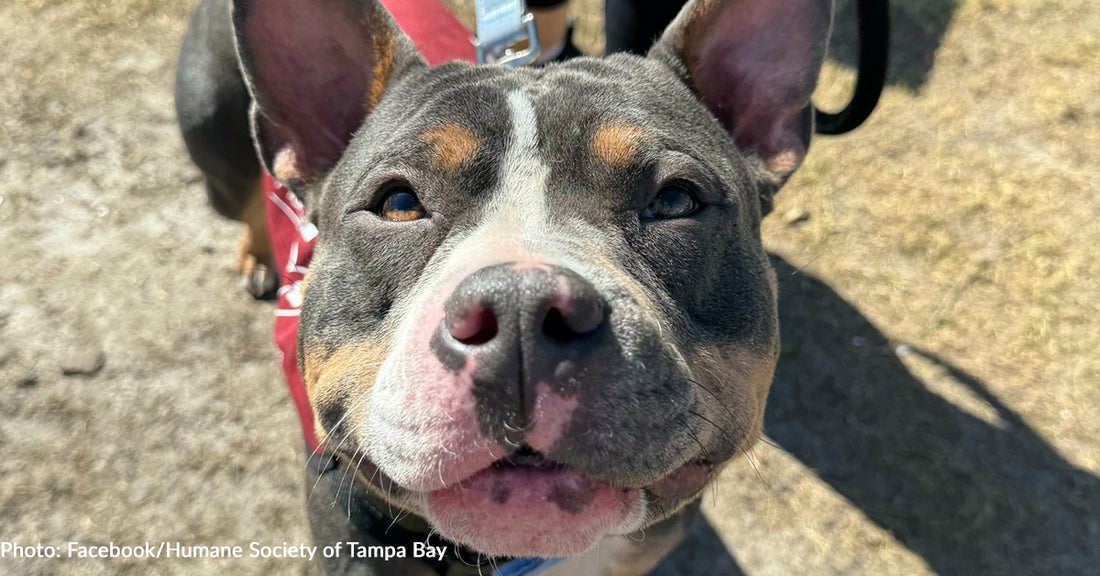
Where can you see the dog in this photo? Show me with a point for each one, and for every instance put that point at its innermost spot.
(539, 318)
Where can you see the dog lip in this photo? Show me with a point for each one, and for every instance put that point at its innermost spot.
(684, 482)
(685, 478)
(526, 457)
(539, 508)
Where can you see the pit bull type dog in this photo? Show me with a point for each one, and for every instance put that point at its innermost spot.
(539, 319)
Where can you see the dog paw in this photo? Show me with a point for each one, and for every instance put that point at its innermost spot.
(255, 262)
(258, 279)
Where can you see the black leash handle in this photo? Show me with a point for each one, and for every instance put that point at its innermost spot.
(874, 44)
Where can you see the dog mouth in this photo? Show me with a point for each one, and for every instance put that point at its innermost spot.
(527, 456)
(526, 504)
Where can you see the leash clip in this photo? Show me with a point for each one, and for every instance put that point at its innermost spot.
(502, 24)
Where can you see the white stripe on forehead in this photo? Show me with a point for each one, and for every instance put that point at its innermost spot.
(525, 125)
(519, 202)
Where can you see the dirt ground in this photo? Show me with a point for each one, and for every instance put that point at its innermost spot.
(935, 410)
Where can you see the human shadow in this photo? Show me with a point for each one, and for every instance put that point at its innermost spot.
(971, 494)
(917, 28)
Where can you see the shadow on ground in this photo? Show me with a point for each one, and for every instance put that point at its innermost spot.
(703, 552)
(971, 495)
(917, 28)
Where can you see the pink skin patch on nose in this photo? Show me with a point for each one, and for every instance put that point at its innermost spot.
(426, 422)
(524, 511)
(531, 265)
(563, 297)
(551, 414)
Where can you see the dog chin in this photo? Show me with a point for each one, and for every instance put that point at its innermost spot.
(534, 509)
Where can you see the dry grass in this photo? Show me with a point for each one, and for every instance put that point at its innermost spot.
(935, 407)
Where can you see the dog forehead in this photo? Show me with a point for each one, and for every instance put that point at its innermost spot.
(585, 97)
(461, 109)
(598, 125)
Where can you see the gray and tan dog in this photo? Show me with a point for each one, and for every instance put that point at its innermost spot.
(539, 318)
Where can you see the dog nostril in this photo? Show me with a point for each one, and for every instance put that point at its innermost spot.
(555, 327)
(476, 326)
(575, 312)
(562, 328)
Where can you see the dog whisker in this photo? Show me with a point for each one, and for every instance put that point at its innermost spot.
(717, 398)
(695, 437)
(763, 438)
(351, 483)
(331, 457)
(332, 452)
(397, 518)
(751, 457)
(798, 271)
(340, 484)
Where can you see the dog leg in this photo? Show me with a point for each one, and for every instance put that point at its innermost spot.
(255, 259)
(212, 106)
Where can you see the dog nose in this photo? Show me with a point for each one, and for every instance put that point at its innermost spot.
(517, 329)
(522, 303)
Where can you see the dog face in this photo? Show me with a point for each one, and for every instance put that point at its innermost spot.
(539, 311)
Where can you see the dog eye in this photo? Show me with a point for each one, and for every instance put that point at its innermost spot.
(402, 205)
(671, 202)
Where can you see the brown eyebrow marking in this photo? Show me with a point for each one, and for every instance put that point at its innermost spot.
(453, 146)
(617, 144)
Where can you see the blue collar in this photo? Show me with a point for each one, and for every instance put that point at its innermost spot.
(525, 566)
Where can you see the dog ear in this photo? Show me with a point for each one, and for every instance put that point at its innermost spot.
(754, 64)
(315, 69)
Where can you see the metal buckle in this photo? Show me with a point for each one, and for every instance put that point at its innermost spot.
(502, 24)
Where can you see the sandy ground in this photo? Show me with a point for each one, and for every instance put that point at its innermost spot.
(935, 406)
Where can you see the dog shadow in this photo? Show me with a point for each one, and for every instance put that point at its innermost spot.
(702, 552)
(917, 28)
(973, 491)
